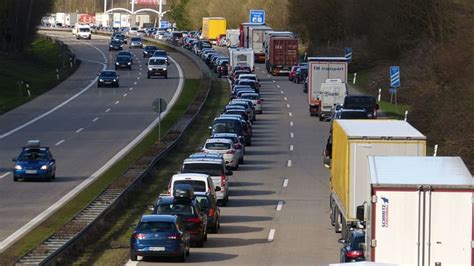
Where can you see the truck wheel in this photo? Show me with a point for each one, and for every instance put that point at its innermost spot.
(321, 118)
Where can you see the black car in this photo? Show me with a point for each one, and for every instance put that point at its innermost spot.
(184, 205)
(301, 74)
(223, 68)
(149, 50)
(352, 250)
(209, 206)
(115, 45)
(108, 78)
(123, 62)
(119, 37)
(362, 102)
(248, 82)
(126, 53)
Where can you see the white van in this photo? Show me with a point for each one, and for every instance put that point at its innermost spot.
(82, 31)
(200, 182)
(332, 94)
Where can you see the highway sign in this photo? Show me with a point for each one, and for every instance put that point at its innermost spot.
(257, 16)
(394, 76)
(348, 53)
(159, 105)
(164, 24)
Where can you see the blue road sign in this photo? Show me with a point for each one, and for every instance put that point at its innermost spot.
(394, 76)
(164, 24)
(348, 53)
(257, 16)
(392, 90)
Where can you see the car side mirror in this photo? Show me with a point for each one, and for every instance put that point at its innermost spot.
(168, 63)
(341, 241)
(218, 189)
(14, 159)
(210, 127)
(360, 213)
(229, 172)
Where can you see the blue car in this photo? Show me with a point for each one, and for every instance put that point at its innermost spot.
(160, 236)
(34, 162)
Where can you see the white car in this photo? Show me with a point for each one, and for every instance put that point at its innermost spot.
(224, 147)
(256, 100)
(200, 182)
(238, 145)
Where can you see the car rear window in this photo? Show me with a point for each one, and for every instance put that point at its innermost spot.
(354, 115)
(175, 209)
(211, 169)
(197, 185)
(218, 146)
(229, 127)
(359, 102)
(156, 226)
(250, 96)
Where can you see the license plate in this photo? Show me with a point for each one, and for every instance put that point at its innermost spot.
(157, 248)
(31, 171)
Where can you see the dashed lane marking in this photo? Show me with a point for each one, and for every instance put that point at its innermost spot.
(117, 102)
(284, 98)
(95, 119)
(287, 106)
(288, 164)
(285, 182)
(291, 123)
(279, 205)
(292, 135)
(108, 110)
(271, 235)
(79, 130)
(125, 94)
(60, 142)
(291, 147)
(290, 114)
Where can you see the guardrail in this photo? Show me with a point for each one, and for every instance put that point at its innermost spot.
(89, 218)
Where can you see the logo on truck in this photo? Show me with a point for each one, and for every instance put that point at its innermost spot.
(385, 205)
(241, 57)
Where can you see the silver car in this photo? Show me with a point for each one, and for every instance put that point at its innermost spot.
(238, 145)
(256, 100)
(136, 42)
(224, 147)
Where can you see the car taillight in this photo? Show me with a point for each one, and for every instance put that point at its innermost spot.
(230, 152)
(259, 101)
(222, 181)
(139, 236)
(193, 220)
(238, 146)
(174, 236)
(354, 254)
(211, 211)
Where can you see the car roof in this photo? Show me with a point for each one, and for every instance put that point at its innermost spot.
(225, 135)
(204, 160)
(157, 57)
(352, 110)
(218, 140)
(158, 218)
(203, 155)
(249, 93)
(189, 175)
(202, 193)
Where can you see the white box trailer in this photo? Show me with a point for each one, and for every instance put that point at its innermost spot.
(241, 56)
(419, 211)
(256, 38)
(319, 70)
(232, 37)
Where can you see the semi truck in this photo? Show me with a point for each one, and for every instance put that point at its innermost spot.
(333, 92)
(352, 142)
(418, 211)
(256, 38)
(282, 55)
(213, 27)
(244, 29)
(241, 56)
(232, 38)
(319, 70)
(270, 33)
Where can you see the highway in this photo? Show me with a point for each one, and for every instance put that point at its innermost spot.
(84, 126)
(278, 213)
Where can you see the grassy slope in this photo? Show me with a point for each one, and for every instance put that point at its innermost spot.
(37, 66)
(64, 214)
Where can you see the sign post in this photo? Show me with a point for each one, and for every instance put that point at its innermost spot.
(257, 16)
(159, 106)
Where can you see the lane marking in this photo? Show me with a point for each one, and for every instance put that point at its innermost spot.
(79, 130)
(139, 73)
(60, 142)
(292, 135)
(138, 77)
(5, 175)
(108, 110)
(291, 147)
(274, 81)
(135, 83)
(271, 235)
(269, 76)
(278, 86)
(131, 89)
(279, 205)
(117, 102)
(125, 95)
(291, 123)
(288, 164)
(287, 106)
(263, 72)
(284, 98)
(285, 182)
(290, 114)
(282, 92)
(95, 119)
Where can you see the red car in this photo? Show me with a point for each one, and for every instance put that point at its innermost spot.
(292, 74)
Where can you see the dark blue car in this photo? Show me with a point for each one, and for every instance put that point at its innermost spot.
(160, 236)
(34, 162)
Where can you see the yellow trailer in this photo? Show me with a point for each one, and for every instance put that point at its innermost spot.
(212, 27)
(353, 142)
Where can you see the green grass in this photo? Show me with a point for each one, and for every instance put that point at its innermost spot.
(37, 66)
(111, 247)
(64, 214)
(394, 111)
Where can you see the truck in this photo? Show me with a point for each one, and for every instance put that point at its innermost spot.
(352, 142)
(240, 56)
(212, 27)
(319, 70)
(333, 92)
(232, 38)
(244, 33)
(82, 31)
(268, 34)
(282, 55)
(418, 211)
(256, 38)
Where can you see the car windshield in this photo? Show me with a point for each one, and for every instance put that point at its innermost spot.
(153, 226)
(116, 42)
(212, 169)
(217, 146)
(108, 74)
(135, 39)
(197, 185)
(354, 115)
(84, 30)
(118, 36)
(359, 102)
(157, 62)
(123, 58)
(175, 209)
(159, 53)
(33, 155)
(150, 48)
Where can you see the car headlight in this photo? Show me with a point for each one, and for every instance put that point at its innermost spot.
(121, 45)
(150, 68)
(18, 167)
(129, 63)
(44, 167)
(116, 63)
(101, 80)
(164, 68)
(111, 46)
(115, 80)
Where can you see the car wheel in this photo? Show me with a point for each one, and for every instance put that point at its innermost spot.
(205, 236)
(148, 76)
(117, 85)
(166, 76)
(130, 68)
(200, 243)
(116, 68)
(182, 258)
(98, 85)
(15, 178)
(216, 226)
(188, 248)
(133, 256)
(54, 176)
(241, 160)
(48, 179)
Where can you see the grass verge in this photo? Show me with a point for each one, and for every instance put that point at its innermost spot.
(36, 66)
(390, 110)
(64, 214)
(112, 246)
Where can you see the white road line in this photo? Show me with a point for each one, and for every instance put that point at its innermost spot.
(60, 142)
(263, 72)
(108, 110)
(282, 92)
(291, 123)
(274, 81)
(279, 205)
(288, 164)
(292, 135)
(291, 147)
(290, 114)
(125, 95)
(95, 119)
(269, 76)
(135, 83)
(285, 182)
(139, 73)
(284, 98)
(117, 102)
(5, 175)
(79, 130)
(271, 235)
(138, 77)
(131, 89)
(278, 86)
(287, 106)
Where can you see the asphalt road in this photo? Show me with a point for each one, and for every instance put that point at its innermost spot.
(278, 213)
(85, 132)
